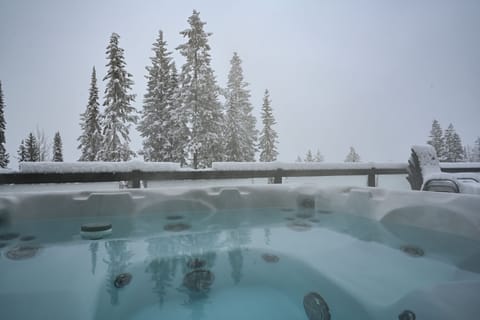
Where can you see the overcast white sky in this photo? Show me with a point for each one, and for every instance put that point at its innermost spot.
(371, 74)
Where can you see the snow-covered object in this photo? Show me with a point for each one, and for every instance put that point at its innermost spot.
(258, 166)
(435, 180)
(427, 157)
(97, 166)
(463, 165)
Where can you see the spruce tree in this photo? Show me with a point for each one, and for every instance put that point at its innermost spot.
(352, 156)
(44, 146)
(309, 156)
(179, 133)
(453, 145)
(32, 149)
(298, 159)
(240, 134)
(4, 157)
(458, 150)
(437, 140)
(318, 157)
(448, 150)
(118, 115)
(57, 148)
(199, 96)
(91, 137)
(22, 152)
(268, 136)
(476, 151)
(159, 125)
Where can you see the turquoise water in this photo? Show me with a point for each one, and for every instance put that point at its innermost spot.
(263, 264)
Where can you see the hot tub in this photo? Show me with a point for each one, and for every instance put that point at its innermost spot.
(262, 252)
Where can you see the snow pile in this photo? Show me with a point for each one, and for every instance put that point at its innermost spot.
(97, 166)
(258, 166)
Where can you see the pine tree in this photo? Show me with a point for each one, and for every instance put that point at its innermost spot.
(318, 157)
(476, 151)
(4, 157)
(352, 156)
(240, 134)
(159, 124)
(437, 140)
(22, 152)
(458, 150)
(309, 156)
(32, 149)
(268, 136)
(298, 159)
(44, 146)
(453, 145)
(91, 137)
(179, 133)
(467, 153)
(57, 148)
(199, 96)
(118, 115)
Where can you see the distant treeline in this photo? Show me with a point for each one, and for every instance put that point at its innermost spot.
(449, 147)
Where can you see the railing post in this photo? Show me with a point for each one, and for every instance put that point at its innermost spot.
(136, 179)
(371, 178)
(277, 179)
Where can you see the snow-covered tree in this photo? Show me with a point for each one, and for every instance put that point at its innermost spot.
(4, 157)
(476, 151)
(240, 131)
(179, 133)
(119, 114)
(158, 125)
(453, 145)
(309, 156)
(57, 148)
(458, 148)
(44, 145)
(268, 136)
(199, 96)
(91, 137)
(22, 152)
(352, 156)
(468, 154)
(299, 159)
(32, 149)
(437, 140)
(318, 157)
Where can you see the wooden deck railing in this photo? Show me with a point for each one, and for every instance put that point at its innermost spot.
(276, 175)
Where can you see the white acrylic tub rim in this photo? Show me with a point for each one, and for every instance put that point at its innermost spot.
(452, 213)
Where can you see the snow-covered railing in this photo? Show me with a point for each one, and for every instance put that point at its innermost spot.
(136, 171)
